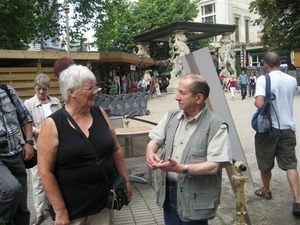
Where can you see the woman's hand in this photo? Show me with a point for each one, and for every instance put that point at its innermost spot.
(129, 191)
(62, 217)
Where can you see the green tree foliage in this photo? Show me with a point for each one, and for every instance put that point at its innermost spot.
(117, 28)
(111, 27)
(281, 22)
(24, 21)
(46, 21)
(95, 12)
(16, 23)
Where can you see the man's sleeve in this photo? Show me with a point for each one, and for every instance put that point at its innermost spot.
(23, 113)
(260, 86)
(158, 133)
(219, 149)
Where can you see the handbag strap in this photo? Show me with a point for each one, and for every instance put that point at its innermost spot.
(89, 144)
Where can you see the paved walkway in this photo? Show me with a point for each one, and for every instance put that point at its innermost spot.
(143, 209)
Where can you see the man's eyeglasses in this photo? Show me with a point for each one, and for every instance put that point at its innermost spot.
(91, 88)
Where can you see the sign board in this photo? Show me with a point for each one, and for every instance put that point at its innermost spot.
(133, 67)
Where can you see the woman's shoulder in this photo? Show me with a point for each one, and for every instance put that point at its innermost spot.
(31, 101)
(54, 100)
(96, 111)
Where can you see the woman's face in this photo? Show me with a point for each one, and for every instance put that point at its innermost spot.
(41, 91)
(86, 94)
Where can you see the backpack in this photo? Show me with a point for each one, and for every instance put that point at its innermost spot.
(261, 121)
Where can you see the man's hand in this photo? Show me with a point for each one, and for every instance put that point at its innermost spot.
(27, 152)
(170, 166)
(153, 160)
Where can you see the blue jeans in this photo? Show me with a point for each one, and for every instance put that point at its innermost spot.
(171, 216)
(13, 191)
(243, 90)
(251, 90)
(143, 89)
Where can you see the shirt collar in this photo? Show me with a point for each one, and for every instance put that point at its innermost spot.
(196, 118)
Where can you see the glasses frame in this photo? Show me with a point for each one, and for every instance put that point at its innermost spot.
(91, 88)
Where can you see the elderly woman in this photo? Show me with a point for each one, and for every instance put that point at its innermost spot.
(40, 106)
(73, 182)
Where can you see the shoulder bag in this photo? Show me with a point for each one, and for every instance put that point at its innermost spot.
(117, 196)
(261, 121)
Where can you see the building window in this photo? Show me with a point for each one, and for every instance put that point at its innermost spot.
(256, 60)
(209, 19)
(247, 31)
(208, 13)
(237, 35)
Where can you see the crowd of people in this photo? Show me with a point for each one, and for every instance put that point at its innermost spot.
(66, 167)
(244, 84)
(155, 85)
(193, 142)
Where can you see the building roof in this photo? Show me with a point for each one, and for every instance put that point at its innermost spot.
(12, 58)
(204, 30)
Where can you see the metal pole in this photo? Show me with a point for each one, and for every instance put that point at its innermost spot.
(240, 180)
(66, 9)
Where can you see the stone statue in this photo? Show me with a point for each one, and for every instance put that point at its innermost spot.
(147, 77)
(226, 54)
(143, 50)
(178, 48)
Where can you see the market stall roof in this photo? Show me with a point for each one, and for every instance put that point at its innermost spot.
(20, 58)
(202, 30)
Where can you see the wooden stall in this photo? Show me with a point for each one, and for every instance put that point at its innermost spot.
(19, 68)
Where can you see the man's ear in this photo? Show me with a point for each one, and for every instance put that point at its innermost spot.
(200, 98)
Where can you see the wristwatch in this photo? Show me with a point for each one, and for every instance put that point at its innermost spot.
(185, 169)
(29, 142)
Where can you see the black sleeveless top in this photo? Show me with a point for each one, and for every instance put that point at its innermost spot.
(79, 177)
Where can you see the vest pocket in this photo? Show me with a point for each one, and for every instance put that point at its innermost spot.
(197, 158)
(199, 205)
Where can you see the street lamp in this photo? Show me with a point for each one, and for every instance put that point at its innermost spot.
(66, 9)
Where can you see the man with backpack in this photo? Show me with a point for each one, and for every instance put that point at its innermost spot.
(280, 141)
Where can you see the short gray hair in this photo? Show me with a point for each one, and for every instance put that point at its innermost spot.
(198, 85)
(72, 78)
(42, 79)
(272, 59)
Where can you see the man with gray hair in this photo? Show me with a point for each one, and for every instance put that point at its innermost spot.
(195, 147)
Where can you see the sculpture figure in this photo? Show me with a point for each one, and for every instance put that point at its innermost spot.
(227, 55)
(143, 50)
(178, 48)
(147, 77)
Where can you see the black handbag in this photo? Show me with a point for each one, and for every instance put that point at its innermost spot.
(117, 196)
(33, 161)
